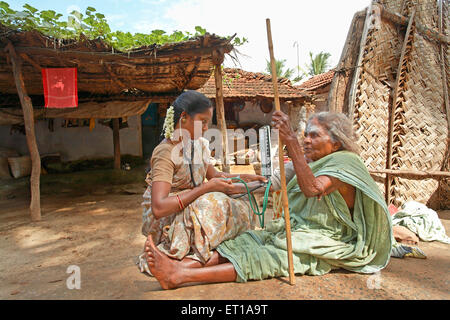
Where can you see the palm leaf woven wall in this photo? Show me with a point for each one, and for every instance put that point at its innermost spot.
(397, 95)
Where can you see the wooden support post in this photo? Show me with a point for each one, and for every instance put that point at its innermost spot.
(357, 72)
(220, 109)
(445, 163)
(281, 160)
(28, 116)
(116, 141)
(414, 174)
(444, 70)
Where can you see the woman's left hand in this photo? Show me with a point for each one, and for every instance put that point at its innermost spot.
(252, 177)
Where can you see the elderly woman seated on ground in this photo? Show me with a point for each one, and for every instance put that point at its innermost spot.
(338, 216)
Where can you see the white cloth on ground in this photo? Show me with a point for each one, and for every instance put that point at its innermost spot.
(421, 220)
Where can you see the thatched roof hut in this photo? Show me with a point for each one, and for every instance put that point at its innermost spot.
(110, 84)
(392, 80)
(168, 68)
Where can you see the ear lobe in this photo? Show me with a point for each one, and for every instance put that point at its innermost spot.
(337, 146)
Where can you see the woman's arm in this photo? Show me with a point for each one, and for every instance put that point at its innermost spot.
(164, 205)
(310, 185)
(213, 173)
(276, 176)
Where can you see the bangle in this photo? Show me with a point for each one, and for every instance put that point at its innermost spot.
(180, 203)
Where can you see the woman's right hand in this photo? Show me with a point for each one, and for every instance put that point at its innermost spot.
(222, 185)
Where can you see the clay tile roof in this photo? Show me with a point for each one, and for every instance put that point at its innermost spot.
(317, 81)
(238, 83)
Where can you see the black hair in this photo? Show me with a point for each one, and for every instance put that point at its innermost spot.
(190, 101)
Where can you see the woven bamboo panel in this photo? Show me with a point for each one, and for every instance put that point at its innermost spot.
(427, 12)
(371, 108)
(444, 185)
(392, 5)
(420, 124)
(423, 128)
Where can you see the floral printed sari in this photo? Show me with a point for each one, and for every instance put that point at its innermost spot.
(205, 223)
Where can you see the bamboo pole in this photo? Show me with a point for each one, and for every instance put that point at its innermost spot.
(281, 160)
(337, 93)
(28, 116)
(107, 56)
(220, 114)
(402, 20)
(414, 174)
(443, 69)
(116, 142)
(357, 72)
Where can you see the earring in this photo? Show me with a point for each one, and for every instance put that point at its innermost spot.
(183, 120)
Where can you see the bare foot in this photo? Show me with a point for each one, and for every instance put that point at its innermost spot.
(164, 269)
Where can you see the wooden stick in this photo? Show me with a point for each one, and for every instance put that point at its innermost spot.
(25, 57)
(281, 160)
(220, 114)
(107, 56)
(443, 70)
(402, 20)
(357, 72)
(28, 116)
(413, 174)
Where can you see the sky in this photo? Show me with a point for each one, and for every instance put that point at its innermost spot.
(298, 26)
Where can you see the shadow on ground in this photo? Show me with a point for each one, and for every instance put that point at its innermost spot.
(93, 220)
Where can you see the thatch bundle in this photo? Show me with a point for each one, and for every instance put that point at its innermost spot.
(392, 80)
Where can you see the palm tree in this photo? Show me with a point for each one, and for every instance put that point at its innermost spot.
(319, 63)
(279, 67)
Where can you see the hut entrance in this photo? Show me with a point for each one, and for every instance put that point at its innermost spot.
(151, 128)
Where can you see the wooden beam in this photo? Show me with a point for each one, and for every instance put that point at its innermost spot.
(357, 72)
(220, 109)
(107, 56)
(444, 70)
(414, 174)
(28, 115)
(402, 20)
(338, 88)
(25, 57)
(188, 78)
(398, 90)
(116, 142)
(281, 161)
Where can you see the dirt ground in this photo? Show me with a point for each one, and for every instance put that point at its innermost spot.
(97, 227)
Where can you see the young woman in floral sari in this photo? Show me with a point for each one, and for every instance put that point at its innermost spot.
(186, 216)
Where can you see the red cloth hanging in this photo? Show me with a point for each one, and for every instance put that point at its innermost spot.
(60, 87)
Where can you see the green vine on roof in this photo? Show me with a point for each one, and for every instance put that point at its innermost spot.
(92, 24)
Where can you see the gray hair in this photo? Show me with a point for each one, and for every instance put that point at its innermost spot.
(340, 129)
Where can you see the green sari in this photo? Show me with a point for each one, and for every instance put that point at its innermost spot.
(324, 235)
